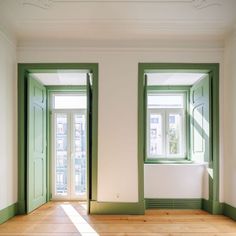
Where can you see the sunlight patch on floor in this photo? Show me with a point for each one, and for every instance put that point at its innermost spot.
(84, 205)
(79, 222)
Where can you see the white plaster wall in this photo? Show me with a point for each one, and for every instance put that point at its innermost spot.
(118, 113)
(175, 181)
(8, 121)
(229, 134)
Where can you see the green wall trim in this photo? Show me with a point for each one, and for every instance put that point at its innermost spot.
(111, 208)
(185, 91)
(207, 205)
(213, 70)
(69, 88)
(23, 70)
(229, 211)
(218, 208)
(159, 203)
(8, 212)
(21, 207)
(212, 207)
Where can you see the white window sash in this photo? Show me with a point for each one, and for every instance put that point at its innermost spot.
(165, 112)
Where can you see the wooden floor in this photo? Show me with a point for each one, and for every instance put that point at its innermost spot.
(70, 219)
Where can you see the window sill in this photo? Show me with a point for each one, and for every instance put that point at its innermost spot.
(170, 162)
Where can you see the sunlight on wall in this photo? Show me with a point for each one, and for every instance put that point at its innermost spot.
(210, 172)
(79, 222)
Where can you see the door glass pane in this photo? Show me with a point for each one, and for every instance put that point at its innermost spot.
(155, 135)
(79, 141)
(174, 134)
(61, 164)
(70, 101)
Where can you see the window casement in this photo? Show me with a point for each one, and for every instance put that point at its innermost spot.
(166, 125)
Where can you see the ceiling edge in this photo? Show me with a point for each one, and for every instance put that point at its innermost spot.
(8, 37)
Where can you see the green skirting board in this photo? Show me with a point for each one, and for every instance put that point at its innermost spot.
(8, 212)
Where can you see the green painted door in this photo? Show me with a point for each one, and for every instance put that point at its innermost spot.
(36, 145)
(89, 137)
(200, 120)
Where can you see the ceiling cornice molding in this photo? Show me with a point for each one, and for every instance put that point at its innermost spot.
(120, 50)
(120, 29)
(123, 45)
(47, 4)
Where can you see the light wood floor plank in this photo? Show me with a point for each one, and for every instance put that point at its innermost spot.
(52, 220)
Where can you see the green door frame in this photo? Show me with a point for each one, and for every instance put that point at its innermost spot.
(212, 204)
(23, 70)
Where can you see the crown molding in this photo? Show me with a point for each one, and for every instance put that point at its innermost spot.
(47, 4)
(113, 28)
(109, 45)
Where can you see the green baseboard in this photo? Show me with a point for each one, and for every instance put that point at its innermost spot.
(139, 207)
(229, 211)
(110, 208)
(207, 205)
(215, 208)
(8, 212)
(159, 203)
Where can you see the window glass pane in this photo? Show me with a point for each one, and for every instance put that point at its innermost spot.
(165, 101)
(79, 142)
(165, 124)
(61, 154)
(155, 135)
(174, 134)
(70, 102)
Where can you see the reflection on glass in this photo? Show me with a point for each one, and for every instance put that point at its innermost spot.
(155, 147)
(174, 130)
(79, 141)
(61, 154)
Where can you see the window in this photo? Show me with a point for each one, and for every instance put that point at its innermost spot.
(69, 101)
(166, 124)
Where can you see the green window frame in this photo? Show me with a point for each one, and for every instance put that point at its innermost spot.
(164, 115)
(212, 204)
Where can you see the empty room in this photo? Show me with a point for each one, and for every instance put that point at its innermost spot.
(118, 117)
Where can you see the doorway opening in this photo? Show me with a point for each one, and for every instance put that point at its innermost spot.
(58, 126)
(68, 145)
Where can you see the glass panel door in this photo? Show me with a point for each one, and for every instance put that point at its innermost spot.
(69, 155)
(79, 155)
(61, 155)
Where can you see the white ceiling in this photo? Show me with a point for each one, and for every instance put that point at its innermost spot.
(86, 21)
(62, 78)
(173, 78)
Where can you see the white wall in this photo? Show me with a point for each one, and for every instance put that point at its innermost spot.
(176, 181)
(117, 120)
(230, 118)
(8, 121)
